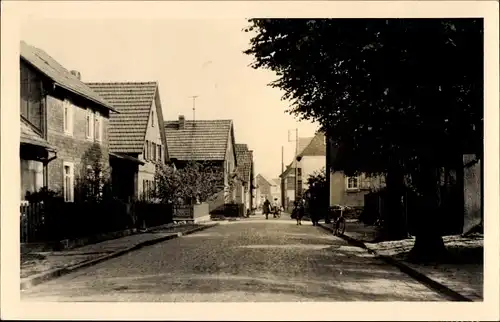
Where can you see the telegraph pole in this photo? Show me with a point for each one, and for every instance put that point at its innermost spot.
(194, 97)
(282, 179)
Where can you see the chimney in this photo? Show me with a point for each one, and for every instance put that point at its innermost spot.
(181, 122)
(76, 74)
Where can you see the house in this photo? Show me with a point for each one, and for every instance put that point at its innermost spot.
(276, 189)
(245, 186)
(64, 126)
(345, 190)
(135, 133)
(210, 141)
(263, 189)
(310, 159)
(288, 186)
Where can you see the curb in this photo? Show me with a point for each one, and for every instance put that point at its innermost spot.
(47, 276)
(422, 278)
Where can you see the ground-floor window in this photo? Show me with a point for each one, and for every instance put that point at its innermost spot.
(31, 177)
(68, 181)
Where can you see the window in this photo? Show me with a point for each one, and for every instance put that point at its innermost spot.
(68, 117)
(152, 118)
(31, 97)
(89, 125)
(352, 183)
(159, 153)
(299, 172)
(68, 181)
(154, 151)
(146, 155)
(98, 127)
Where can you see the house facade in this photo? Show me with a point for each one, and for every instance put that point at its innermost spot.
(276, 190)
(64, 126)
(210, 141)
(288, 187)
(311, 158)
(245, 184)
(136, 134)
(348, 190)
(263, 189)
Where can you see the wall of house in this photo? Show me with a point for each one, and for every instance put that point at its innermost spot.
(340, 195)
(309, 165)
(73, 148)
(153, 134)
(472, 194)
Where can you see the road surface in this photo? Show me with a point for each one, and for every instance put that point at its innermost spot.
(250, 260)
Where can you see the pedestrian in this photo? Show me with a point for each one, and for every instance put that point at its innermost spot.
(266, 208)
(299, 212)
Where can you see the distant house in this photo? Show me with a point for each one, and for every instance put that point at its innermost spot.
(310, 159)
(276, 190)
(205, 141)
(64, 126)
(288, 186)
(245, 185)
(135, 134)
(263, 189)
(349, 191)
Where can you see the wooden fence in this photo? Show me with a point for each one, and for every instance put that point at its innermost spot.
(58, 220)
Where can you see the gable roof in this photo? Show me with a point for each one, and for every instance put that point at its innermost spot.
(316, 147)
(261, 178)
(202, 140)
(244, 157)
(48, 66)
(276, 181)
(127, 130)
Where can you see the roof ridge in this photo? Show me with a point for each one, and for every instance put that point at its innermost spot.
(121, 83)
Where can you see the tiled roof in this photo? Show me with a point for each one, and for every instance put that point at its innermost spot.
(316, 146)
(244, 160)
(133, 100)
(204, 140)
(29, 136)
(263, 180)
(60, 75)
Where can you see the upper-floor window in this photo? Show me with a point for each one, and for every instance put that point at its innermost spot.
(68, 117)
(352, 183)
(152, 118)
(153, 149)
(31, 97)
(146, 154)
(98, 126)
(159, 153)
(89, 124)
(299, 172)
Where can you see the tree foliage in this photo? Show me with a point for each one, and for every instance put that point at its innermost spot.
(403, 97)
(194, 182)
(386, 90)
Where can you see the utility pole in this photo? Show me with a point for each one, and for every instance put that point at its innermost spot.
(194, 97)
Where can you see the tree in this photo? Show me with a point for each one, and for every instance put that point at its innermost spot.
(318, 191)
(93, 183)
(401, 97)
(194, 182)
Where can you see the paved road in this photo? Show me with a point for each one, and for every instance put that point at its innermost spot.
(251, 260)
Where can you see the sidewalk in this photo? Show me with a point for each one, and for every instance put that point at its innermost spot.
(462, 275)
(38, 267)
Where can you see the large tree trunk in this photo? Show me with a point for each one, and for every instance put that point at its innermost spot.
(429, 245)
(394, 221)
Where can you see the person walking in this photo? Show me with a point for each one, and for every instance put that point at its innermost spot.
(266, 208)
(300, 211)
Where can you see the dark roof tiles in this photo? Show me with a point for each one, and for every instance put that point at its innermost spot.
(133, 100)
(198, 140)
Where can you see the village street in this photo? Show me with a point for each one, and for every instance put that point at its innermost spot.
(248, 260)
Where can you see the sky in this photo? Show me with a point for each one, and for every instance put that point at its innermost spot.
(187, 57)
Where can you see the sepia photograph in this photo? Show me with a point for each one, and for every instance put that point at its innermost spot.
(250, 158)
